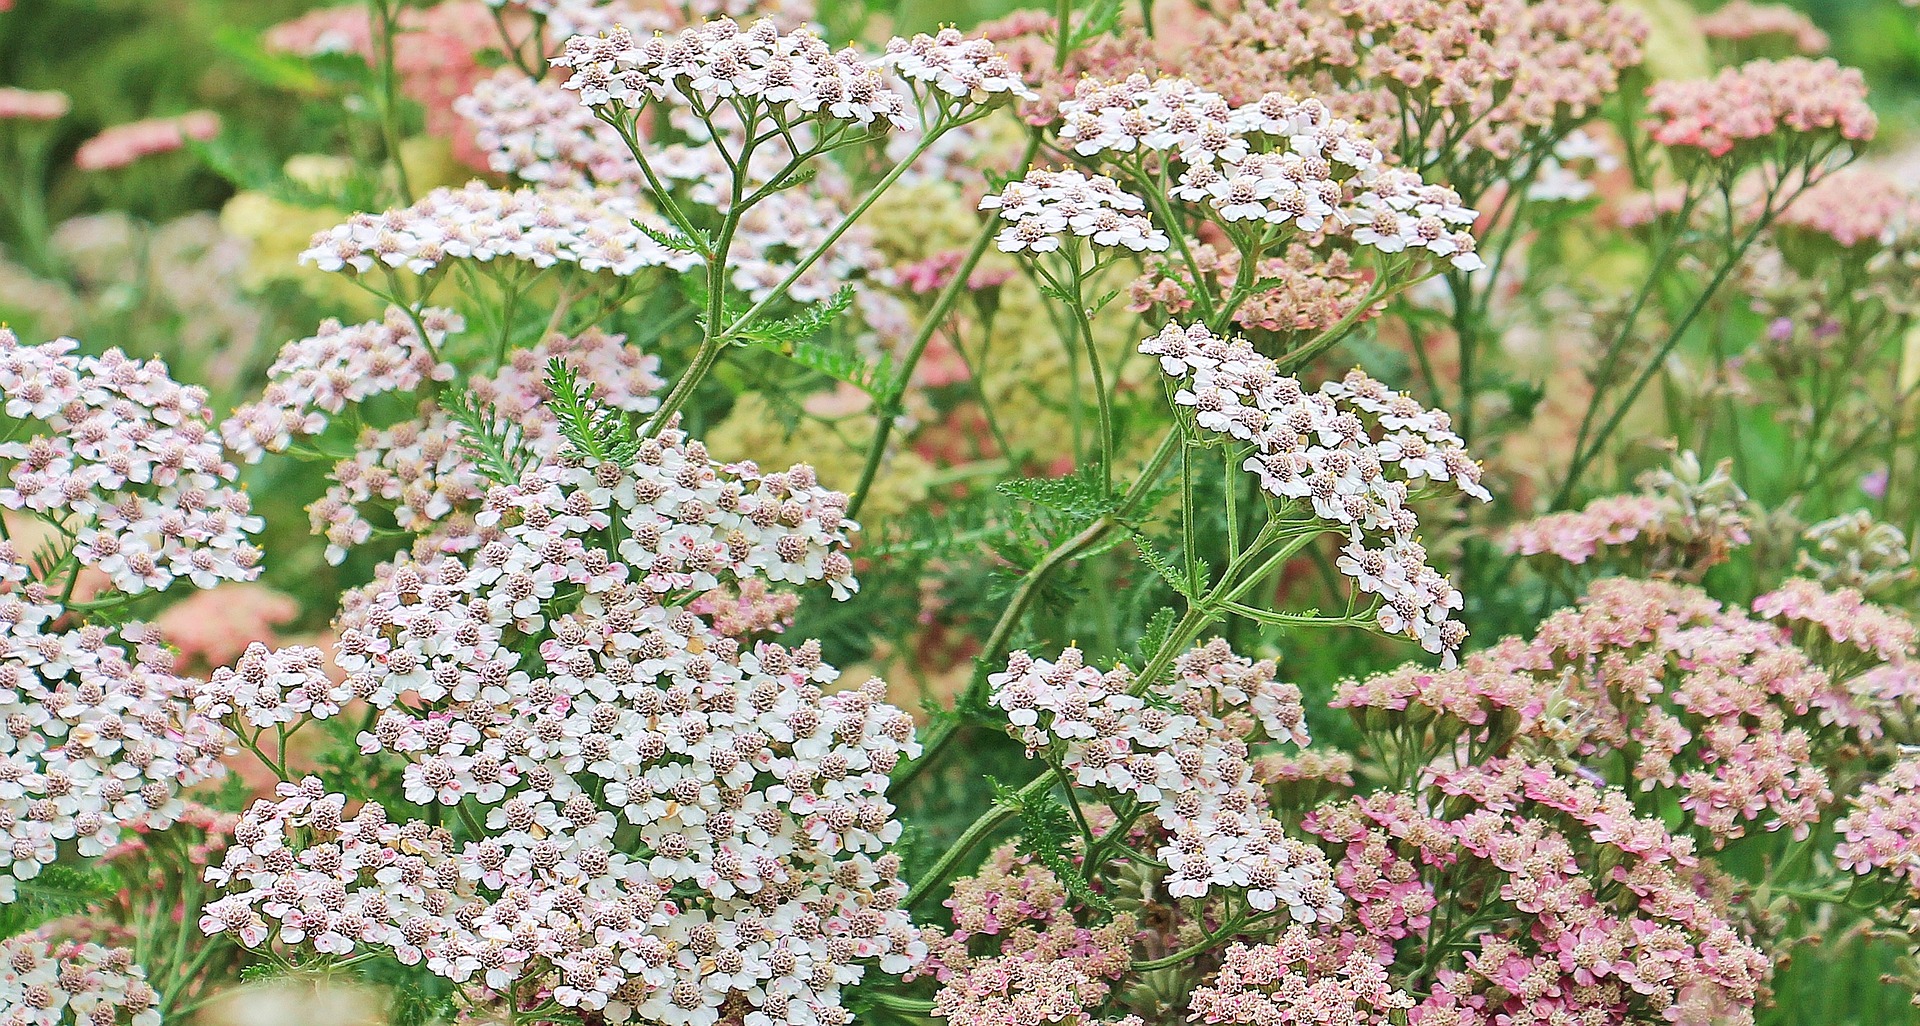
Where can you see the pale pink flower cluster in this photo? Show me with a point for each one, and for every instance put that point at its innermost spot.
(1559, 948)
(1300, 976)
(420, 467)
(129, 465)
(1045, 208)
(1682, 521)
(751, 868)
(1721, 706)
(795, 74)
(1857, 207)
(1016, 952)
(1882, 829)
(29, 105)
(339, 365)
(1333, 449)
(123, 145)
(50, 982)
(1179, 748)
(539, 132)
(97, 741)
(1278, 160)
(213, 627)
(591, 229)
(1741, 20)
(1758, 101)
(1844, 617)
(1429, 76)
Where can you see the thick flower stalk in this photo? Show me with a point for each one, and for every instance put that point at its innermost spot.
(646, 818)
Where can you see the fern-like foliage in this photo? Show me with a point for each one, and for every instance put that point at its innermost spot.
(493, 444)
(1048, 836)
(594, 430)
(59, 890)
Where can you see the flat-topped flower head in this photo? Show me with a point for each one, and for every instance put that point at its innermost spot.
(1742, 21)
(1179, 747)
(592, 230)
(968, 68)
(674, 818)
(1761, 100)
(126, 461)
(795, 73)
(1046, 208)
(54, 982)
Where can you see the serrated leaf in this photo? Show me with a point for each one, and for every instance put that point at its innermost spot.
(60, 890)
(593, 430)
(1047, 834)
(1101, 303)
(1158, 633)
(1160, 564)
(803, 325)
(678, 242)
(1076, 495)
(490, 442)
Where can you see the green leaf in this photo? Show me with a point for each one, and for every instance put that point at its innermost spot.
(679, 242)
(1161, 564)
(1158, 633)
(1101, 18)
(594, 431)
(492, 443)
(803, 325)
(59, 890)
(1047, 834)
(1077, 495)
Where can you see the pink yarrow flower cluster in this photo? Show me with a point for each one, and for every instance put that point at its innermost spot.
(541, 133)
(1179, 748)
(1742, 20)
(751, 866)
(50, 982)
(1881, 830)
(1299, 977)
(1333, 450)
(1844, 618)
(1549, 946)
(1760, 100)
(124, 145)
(31, 105)
(128, 465)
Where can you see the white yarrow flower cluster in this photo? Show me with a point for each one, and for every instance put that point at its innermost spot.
(128, 465)
(1353, 451)
(97, 740)
(1180, 748)
(1278, 161)
(795, 74)
(674, 821)
(590, 229)
(339, 365)
(1046, 207)
(48, 982)
(971, 69)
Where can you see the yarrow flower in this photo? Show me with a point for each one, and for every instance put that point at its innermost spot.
(1881, 830)
(1179, 748)
(1743, 21)
(593, 230)
(1332, 449)
(1759, 100)
(1046, 207)
(129, 465)
(1278, 160)
(1842, 617)
(540, 133)
(1682, 521)
(676, 820)
(29, 105)
(339, 365)
(123, 145)
(1299, 977)
(969, 68)
(50, 982)
(796, 74)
